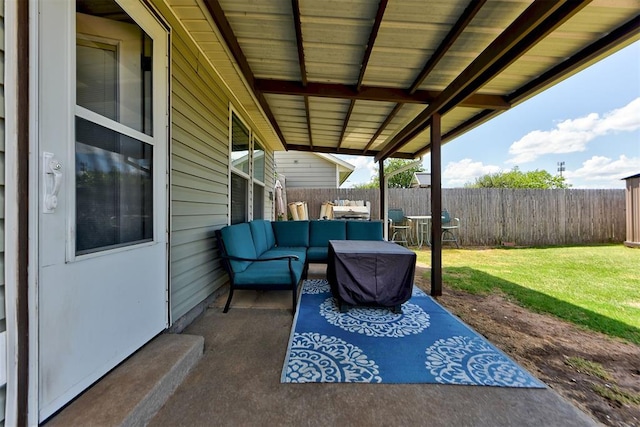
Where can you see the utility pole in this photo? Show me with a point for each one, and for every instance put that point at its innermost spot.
(561, 168)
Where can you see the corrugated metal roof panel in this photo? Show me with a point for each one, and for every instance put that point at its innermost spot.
(587, 26)
(198, 23)
(335, 35)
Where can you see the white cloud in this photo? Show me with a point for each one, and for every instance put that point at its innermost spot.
(573, 135)
(364, 171)
(366, 163)
(625, 119)
(603, 172)
(456, 174)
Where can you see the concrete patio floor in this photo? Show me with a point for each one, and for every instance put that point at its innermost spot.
(237, 382)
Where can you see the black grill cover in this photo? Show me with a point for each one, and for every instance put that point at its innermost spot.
(363, 272)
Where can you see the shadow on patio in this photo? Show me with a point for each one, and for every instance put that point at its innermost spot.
(237, 382)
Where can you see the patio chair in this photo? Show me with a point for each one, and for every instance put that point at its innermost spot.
(450, 227)
(399, 227)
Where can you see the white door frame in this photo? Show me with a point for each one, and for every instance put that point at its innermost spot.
(35, 204)
(12, 243)
(33, 389)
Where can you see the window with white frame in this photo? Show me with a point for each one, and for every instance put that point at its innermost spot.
(247, 173)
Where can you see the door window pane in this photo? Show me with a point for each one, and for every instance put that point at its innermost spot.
(114, 176)
(113, 74)
(114, 189)
(96, 78)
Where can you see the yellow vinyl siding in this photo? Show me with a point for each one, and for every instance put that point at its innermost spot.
(199, 173)
(199, 178)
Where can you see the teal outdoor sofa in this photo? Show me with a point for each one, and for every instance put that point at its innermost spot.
(266, 255)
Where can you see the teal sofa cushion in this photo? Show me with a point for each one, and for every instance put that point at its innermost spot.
(320, 232)
(270, 274)
(263, 237)
(364, 230)
(301, 253)
(291, 233)
(238, 242)
(318, 254)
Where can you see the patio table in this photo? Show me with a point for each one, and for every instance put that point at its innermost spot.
(370, 273)
(421, 222)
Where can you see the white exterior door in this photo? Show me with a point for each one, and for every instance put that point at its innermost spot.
(102, 221)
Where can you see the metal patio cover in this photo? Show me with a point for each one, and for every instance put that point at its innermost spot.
(365, 77)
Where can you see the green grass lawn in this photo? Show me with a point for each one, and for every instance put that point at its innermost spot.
(597, 287)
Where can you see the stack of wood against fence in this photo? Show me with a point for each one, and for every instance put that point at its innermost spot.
(491, 216)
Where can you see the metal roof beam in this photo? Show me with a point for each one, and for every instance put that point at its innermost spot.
(333, 150)
(537, 21)
(382, 127)
(363, 66)
(626, 33)
(371, 93)
(214, 8)
(469, 13)
(295, 7)
(474, 121)
(308, 116)
(345, 122)
(382, 6)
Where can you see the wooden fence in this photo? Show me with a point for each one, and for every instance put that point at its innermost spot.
(490, 216)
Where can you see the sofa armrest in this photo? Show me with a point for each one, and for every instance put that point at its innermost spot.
(235, 258)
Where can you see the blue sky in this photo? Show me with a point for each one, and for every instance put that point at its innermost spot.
(590, 121)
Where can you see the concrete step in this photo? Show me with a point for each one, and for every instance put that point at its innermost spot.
(133, 392)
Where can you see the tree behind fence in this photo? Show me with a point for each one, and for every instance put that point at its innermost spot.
(491, 216)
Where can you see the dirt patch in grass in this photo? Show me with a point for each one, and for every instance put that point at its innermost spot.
(559, 353)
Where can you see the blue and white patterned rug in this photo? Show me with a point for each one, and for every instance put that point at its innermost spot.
(424, 344)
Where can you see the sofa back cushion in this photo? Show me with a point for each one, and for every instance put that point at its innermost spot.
(320, 232)
(263, 238)
(364, 230)
(291, 233)
(238, 242)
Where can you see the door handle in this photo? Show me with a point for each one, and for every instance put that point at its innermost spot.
(52, 177)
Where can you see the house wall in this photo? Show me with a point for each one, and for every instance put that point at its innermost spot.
(310, 171)
(3, 324)
(199, 172)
